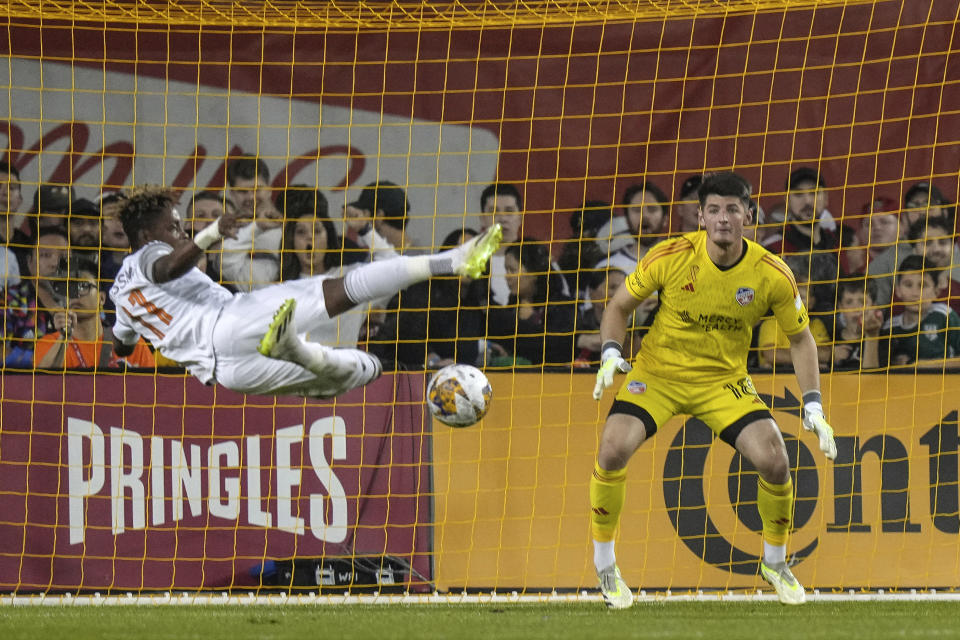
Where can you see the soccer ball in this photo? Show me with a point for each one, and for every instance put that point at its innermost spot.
(459, 395)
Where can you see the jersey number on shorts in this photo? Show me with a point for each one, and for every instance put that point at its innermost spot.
(744, 387)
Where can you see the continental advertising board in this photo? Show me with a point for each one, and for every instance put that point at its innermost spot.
(146, 482)
(512, 495)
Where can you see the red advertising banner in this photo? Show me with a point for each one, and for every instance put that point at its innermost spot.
(144, 482)
(568, 112)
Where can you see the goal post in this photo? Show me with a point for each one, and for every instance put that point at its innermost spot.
(146, 480)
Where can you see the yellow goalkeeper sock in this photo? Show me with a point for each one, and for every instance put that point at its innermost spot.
(607, 490)
(775, 504)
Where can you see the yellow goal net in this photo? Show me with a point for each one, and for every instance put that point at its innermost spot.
(346, 131)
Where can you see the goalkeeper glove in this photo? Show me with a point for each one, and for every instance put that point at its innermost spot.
(611, 361)
(814, 421)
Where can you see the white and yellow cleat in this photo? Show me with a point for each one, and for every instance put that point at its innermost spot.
(276, 341)
(616, 593)
(789, 590)
(474, 254)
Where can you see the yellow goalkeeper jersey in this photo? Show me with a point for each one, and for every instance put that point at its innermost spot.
(707, 314)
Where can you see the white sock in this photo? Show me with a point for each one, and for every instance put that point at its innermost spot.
(385, 278)
(603, 555)
(309, 355)
(772, 554)
(324, 361)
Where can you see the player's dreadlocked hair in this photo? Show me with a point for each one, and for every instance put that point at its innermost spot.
(142, 208)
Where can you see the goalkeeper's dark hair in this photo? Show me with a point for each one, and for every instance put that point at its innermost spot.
(726, 184)
(142, 208)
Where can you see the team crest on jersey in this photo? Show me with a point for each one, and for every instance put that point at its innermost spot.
(635, 386)
(744, 296)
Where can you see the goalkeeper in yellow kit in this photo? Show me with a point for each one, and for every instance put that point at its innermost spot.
(714, 285)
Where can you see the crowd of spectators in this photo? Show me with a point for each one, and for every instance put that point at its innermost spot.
(881, 285)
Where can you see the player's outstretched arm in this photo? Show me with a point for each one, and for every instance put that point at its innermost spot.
(613, 331)
(803, 349)
(186, 254)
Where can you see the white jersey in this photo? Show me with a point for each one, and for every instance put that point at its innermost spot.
(176, 317)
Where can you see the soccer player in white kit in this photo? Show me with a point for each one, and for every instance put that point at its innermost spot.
(248, 342)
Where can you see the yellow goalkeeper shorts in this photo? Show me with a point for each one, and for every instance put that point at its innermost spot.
(726, 406)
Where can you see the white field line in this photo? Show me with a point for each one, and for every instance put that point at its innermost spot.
(216, 599)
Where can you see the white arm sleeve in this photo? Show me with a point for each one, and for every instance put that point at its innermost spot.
(149, 256)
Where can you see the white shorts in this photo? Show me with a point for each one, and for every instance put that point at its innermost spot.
(241, 326)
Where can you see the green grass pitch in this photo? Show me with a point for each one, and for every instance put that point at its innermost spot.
(711, 620)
